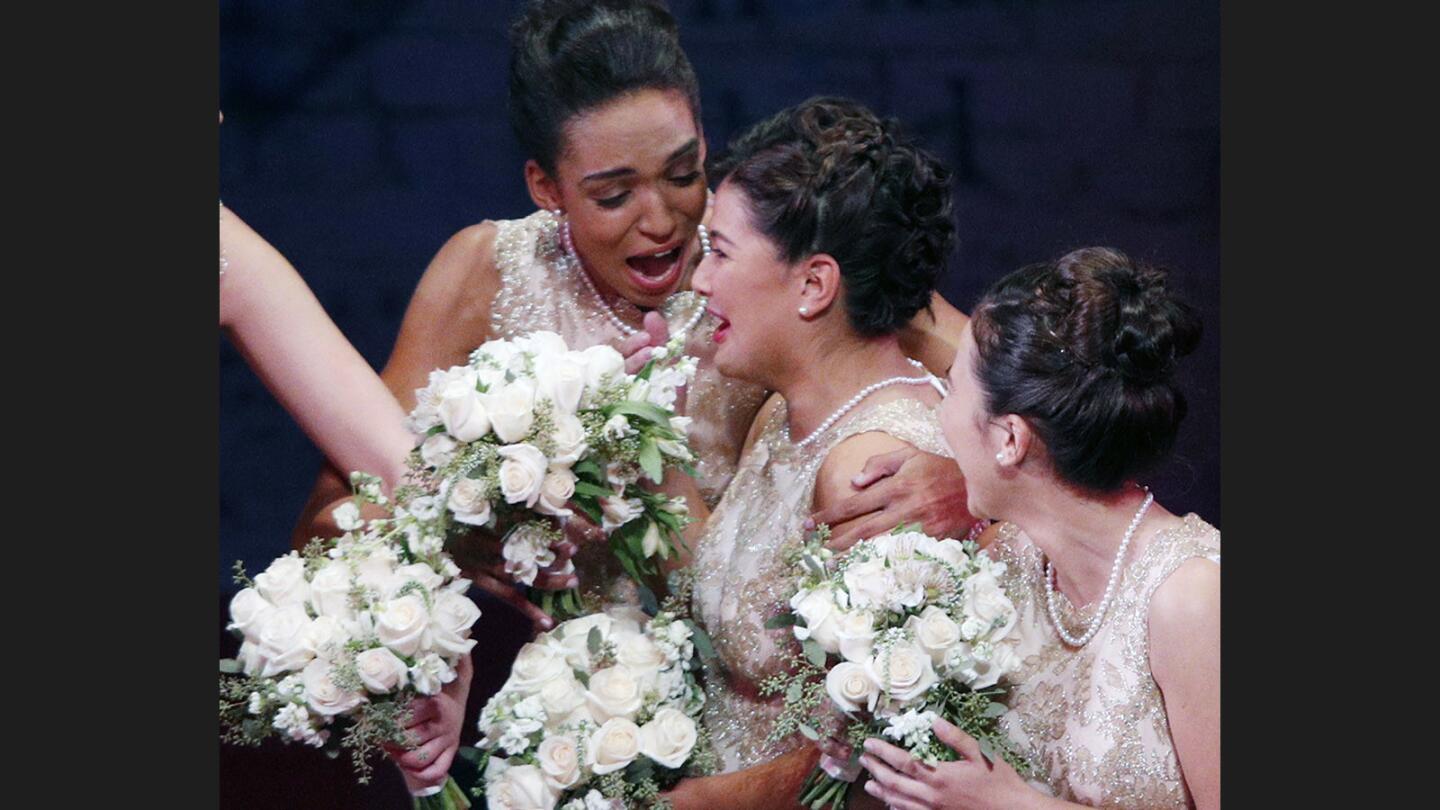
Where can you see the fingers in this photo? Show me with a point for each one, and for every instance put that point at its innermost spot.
(896, 758)
(636, 350)
(580, 530)
(422, 710)
(436, 773)
(844, 536)
(858, 505)
(896, 783)
(963, 743)
(882, 466)
(422, 756)
(892, 799)
(509, 595)
(656, 327)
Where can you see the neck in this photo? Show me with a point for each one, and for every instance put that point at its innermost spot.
(1080, 534)
(832, 371)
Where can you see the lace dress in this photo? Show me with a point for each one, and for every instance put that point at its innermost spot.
(1091, 720)
(537, 291)
(742, 580)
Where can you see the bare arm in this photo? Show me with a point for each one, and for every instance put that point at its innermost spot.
(278, 325)
(933, 337)
(773, 785)
(1185, 660)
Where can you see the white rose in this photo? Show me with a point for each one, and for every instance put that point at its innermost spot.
(520, 787)
(534, 666)
(681, 424)
(555, 491)
(639, 653)
(321, 693)
(561, 380)
(522, 473)
(559, 758)
(951, 551)
(614, 692)
(347, 516)
(376, 568)
(817, 607)
(650, 543)
(935, 631)
(438, 450)
(504, 354)
(571, 639)
(542, 343)
(602, 362)
(417, 572)
(400, 623)
(450, 622)
(985, 602)
(467, 500)
(326, 637)
(462, 409)
(868, 583)
(512, 410)
(561, 695)
(905, 674)
(430, 673)
(247, 611)
(851, 687)
(613, 746)
(283, 583)
(855, 633)
(330, 590)
(668, 738)
(616, 511)
(380, 670)
(251, 661)
(280, 641)
(569, 439)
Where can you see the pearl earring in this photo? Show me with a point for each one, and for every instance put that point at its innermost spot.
(1000, 457)
(804, 310)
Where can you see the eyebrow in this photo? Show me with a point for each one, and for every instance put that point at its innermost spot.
(691, 146)
(719, 236)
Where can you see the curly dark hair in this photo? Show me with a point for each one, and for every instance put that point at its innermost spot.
(1084, 348)
(570, 56)
(828, 176)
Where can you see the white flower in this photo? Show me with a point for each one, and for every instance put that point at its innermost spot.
(616, 511)
(909, 579)
(911, 728)
(613, 746)
(561, 379)
(347, 516)
(247, 611)
(561, 695)
(603, 364)
(293, 721)
(535, 665)
(617, 427)
(380, 670)
(674, 449)
(526, 551)
(425, 507)
(542, 343)
(438, 450)
(620, 474)
(520, 787)
(283, 583)
(668, 738)
(851, 687)
(951, 551)
(321, 693)
(430, 673)
(450, 622)
(376, 568)
(522, 473)
(855, 634)
(326, 637)
(681, 424)
(256, 705)
(280, 642)
(330, 590)
(571, 639)
(935, 631)
(416, 572)
(986, 606)
(559, 758)
(569, 439)
(512, 410)
(650, 543)
(462, 409)
(614, 692)
(663, 385)
(555, 491)
(467, 500)
(817, 607)
(868, 583)
(904, 671)
(639, 653)
(400, 623)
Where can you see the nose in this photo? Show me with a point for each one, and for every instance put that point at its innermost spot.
(700, 282)
(658, 221)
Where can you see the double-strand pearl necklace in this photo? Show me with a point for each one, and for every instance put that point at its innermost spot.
(855, 400)
(1109, 585)
(573, 265)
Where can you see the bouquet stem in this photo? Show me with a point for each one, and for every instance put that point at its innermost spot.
(558, 605)
(451, 797)
(822, 790)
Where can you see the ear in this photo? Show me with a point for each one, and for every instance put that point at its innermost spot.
(818, 279)
(544, 190)
(1015, 441)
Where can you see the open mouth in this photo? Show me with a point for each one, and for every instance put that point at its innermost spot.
(722, 326)
(656, 272)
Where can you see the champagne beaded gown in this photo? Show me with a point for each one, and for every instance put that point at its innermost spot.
(1091, 720)
(539, 291)
(742, 579)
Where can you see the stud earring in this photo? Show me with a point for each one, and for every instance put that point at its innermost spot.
(804, 310)
(1000, 457)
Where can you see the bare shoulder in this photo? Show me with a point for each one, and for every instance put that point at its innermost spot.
(846, 460)
(1184, 623)
(464, 269)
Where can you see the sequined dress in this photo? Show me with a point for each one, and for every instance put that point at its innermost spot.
(1091, 720)
(742, 580)
(538, 291)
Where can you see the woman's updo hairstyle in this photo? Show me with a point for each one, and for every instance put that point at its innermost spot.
(828, 176)
(570, 56)
(1084, 349)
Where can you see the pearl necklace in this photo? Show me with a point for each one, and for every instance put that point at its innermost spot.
(572, 263)
(1109, 585)
(855, 400)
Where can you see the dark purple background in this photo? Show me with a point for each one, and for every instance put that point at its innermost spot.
(359, 136)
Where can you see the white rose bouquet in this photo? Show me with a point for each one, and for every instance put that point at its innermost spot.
(345, 636)
(529, 432)
(600, 712)
(917, 628)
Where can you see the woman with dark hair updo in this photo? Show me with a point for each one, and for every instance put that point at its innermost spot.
(829, 233)
(1061, 399)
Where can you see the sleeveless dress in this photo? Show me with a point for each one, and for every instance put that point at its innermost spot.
(1091, 720)
(538, 291)
(741, 578)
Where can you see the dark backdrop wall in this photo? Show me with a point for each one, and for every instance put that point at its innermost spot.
(359, 135)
